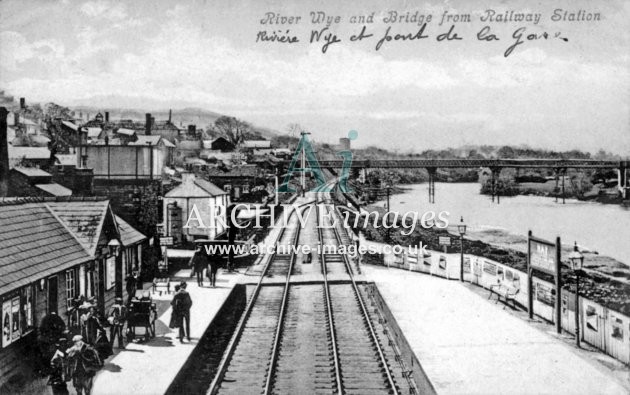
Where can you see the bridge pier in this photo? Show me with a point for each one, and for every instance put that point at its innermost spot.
(622, 180)
(495, 172)
(561, 171)
(431, 171)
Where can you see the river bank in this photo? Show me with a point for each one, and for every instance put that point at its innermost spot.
(602, 289)
(499, 232)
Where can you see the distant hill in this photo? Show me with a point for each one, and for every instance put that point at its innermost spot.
(180, 117)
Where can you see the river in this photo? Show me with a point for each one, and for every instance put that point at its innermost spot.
(595, 226)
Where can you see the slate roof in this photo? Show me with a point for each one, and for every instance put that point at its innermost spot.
(154, 139)
(128, 234)
(32, 171)
(29, 152)
(70, 125)
(127, 132)
(84, 219)
(197, 188)
(93, 133)
(54, 189)
(33, 245)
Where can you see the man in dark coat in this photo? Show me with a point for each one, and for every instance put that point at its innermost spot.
(199, 262)
(83, 363)
(181, 308)
(131, 285)
(51, 329)
(214, 262)
(57, 380)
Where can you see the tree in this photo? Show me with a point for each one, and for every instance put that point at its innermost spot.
(506, 152)
(234, 129)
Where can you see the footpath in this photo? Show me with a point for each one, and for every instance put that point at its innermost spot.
(467, 344)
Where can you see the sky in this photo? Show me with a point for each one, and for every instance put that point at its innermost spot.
(407, 96)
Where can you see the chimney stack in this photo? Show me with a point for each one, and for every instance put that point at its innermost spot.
(192, 129)
(170, 114)
(22, 103)
(106, 116)
(4, 154)
(147, 125)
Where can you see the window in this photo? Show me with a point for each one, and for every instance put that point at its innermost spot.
(617, 327)
(71, 287)
(110, 272)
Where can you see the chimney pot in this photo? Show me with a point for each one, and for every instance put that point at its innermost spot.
(22, 103)
(147, 125)
(4, 154)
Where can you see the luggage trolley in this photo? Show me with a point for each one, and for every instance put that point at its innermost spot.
(142, 313)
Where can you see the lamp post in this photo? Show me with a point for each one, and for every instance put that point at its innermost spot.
(388, 188)
(461, 228)
(577, 260)
(114, 247)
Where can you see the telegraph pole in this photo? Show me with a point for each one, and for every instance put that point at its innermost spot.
(303, 164)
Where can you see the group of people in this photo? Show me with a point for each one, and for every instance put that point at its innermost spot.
(200, 262)
(80, 361)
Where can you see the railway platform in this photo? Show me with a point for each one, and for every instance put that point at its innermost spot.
(150, 367)
(467, 345)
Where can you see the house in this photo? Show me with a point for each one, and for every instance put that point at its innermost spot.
(52, 252)
(238, 180)
(194, 193)
(29, 156)
(92, 134)
(218, 155)
(144, 158)
(219, 144)
(256, 144)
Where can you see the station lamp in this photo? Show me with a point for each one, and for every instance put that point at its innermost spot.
(461, 228)
(577, 260)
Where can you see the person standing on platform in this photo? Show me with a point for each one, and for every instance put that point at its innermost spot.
(83, 363)
(116, 319)
(90, 324)
(199, 262)
(57, 380)
(131, 286)
(181, 307)
(213, 266)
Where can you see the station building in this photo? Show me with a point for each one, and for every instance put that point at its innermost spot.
(52, 252)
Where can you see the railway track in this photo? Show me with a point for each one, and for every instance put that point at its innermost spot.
(306, 338)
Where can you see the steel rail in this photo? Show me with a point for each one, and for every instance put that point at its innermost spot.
(329, 309)
(390, 379)
(227, 356)
(283, 308)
